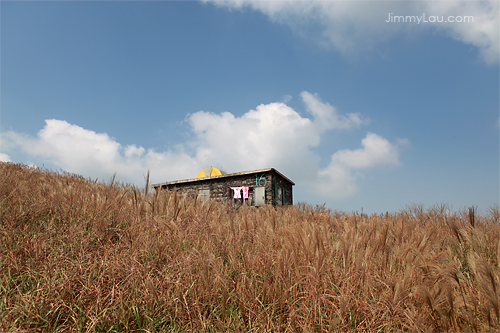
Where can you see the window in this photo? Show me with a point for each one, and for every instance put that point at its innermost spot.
(204, 194)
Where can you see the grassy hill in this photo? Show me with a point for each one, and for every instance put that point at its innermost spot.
(76, 254)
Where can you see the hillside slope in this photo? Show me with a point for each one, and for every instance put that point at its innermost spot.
(79, 255)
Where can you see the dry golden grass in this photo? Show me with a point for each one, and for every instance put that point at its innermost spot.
(83, 256)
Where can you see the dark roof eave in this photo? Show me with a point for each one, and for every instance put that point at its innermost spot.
(221, 176)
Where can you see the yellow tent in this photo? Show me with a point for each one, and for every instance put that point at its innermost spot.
(210, 172)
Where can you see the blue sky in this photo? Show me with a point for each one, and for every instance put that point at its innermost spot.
(357, 111)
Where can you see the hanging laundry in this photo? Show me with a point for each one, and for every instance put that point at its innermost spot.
(245, 192)
(237, 192)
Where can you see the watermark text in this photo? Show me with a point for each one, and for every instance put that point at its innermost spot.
(428, 19)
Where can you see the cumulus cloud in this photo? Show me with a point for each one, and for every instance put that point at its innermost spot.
(272, 135)
(86, 152)
(354, 26)
(259, 137)
(326, 116)
(376, 151)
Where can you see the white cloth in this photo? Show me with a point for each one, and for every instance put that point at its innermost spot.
(237, 192)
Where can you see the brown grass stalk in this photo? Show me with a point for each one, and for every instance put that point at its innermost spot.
(77, 254)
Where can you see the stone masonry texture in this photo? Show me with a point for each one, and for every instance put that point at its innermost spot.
(218, 186)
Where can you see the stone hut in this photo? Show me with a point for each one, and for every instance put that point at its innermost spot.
(253, 188)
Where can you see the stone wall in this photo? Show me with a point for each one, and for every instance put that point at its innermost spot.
(218, 186)
(287, 189)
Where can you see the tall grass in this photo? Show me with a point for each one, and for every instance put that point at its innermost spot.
(76, 254)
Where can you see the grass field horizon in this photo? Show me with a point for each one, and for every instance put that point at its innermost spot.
(81, 255)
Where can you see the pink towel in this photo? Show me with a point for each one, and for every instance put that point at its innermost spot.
(245, 192)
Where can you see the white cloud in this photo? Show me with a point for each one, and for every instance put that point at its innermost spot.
(133, 150)
(287, 98)
(356, 26)
(376, 151)
(326, 115)
(5, 158)
(483, 33)
(86, 152)
(272, 135)
(337, 179)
